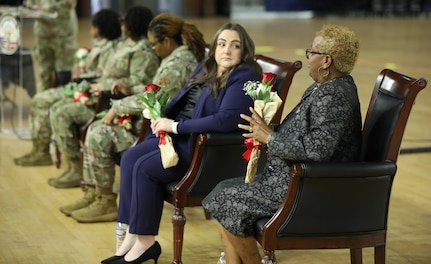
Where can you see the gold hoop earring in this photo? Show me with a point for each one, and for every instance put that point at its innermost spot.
(321, 68)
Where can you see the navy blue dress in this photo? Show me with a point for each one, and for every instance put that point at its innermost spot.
(143, 177)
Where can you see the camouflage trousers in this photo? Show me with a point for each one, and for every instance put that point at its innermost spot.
(53, 54)
(101, 142)
(40, 106)
(64, 121)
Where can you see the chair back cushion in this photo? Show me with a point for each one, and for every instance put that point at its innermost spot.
(60, 78)
(387, 115)
(377, 135)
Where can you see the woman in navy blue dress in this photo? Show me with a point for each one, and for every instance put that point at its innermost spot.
(212, 101)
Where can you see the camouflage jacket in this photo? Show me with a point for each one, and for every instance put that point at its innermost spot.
(132, 63)
(65, 24)
(98, 57)
(171, 76)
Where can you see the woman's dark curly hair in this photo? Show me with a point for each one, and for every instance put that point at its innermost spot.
(107, 21)
(136, 22)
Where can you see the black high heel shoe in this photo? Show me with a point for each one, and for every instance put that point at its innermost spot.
(152, 252)
(111, 259)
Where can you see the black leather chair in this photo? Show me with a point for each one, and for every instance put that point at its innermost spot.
(345, 205)
(212, 154)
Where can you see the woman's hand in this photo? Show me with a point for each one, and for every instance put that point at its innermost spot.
(96, 88)
(76, 71)
(109, 117)
(120, 87)
(161, 124)
(257, 128)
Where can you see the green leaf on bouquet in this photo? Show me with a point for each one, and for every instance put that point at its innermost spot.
(101, 114)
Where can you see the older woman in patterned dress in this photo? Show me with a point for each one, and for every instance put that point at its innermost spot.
(324, 126)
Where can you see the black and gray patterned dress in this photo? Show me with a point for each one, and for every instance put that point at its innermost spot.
(324, 126)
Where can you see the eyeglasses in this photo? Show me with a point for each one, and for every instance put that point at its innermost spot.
(309, 52)
(153, 44)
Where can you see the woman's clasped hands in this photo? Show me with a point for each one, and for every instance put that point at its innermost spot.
(257, 127)
(161, 124)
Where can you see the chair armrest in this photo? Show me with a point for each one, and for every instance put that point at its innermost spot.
(343, 169)
(345, 195)
(223, 139)
(89, 79)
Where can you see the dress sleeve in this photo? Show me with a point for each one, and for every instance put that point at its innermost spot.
(225, 115)
(322, 126)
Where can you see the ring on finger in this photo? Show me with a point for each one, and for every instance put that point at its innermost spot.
(250, 129)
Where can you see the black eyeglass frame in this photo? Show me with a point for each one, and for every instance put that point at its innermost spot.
(309, 52)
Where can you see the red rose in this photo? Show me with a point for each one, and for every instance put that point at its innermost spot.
(268, 77)
(79, 96)
(152, 87)
(122, 118)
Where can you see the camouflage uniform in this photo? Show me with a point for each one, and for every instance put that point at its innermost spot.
(132, 63)
(42, 102)
(102, 141)
(55, 39)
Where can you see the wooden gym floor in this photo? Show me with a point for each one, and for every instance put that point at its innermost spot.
(32, 229)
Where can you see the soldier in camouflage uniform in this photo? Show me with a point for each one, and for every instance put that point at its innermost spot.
(55, 39)
(133, 63)
(105, 30)
(181, 46)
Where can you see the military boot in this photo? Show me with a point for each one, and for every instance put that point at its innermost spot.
(38, 156)
(89, 198)
(71, 178)
(103, 209)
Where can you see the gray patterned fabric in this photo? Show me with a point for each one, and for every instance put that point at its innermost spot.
(324, 126)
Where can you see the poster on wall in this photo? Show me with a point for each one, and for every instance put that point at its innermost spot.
(9, 35)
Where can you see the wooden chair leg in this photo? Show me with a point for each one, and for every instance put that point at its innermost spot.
(380, 254)
(178, 221)
(356, 255)
(268, 257)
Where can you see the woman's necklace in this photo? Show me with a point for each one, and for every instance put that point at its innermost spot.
(312, 92)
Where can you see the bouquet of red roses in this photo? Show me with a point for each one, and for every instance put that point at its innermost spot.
(266, 104)
(79, 92)
(156, 108)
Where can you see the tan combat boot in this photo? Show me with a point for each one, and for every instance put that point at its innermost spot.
(89, 198)
(38, 156)
(103, 209)
(69, 179)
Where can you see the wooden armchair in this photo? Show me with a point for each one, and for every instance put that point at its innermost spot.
(345, 205)
(212, 151)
